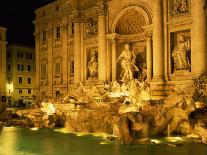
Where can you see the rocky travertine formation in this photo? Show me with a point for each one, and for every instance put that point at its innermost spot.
(126, 111)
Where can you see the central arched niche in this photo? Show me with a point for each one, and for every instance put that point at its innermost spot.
(130, 23)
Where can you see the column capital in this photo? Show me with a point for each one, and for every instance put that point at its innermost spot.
(149, 34)
(101, 8)
(78, 17)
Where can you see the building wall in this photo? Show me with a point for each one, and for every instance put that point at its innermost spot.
(151, 27)
(2, 61)
(20, 64)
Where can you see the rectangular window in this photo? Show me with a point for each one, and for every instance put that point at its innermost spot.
(27, 56)
(30, 56)
(28, 68)
(22, 67)
(57, 8)
(58, 32)
(9, 67)
(29, 91)
(57, 93)
(44, 36)
(57, 69)
(29, 80)
(20, 91)
(43, 70)
(72, 68)
(72, 28)
(21, 54)
(8, 55)
(20, 80)
(18, 55)
(18, 67)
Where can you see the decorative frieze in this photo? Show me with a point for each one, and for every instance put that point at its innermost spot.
(91, 26)
(78, 17)
(179, 7)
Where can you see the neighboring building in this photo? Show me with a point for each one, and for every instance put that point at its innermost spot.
(20, 74)
(2, 63)
(167, 36)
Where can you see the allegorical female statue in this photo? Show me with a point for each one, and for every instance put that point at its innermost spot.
(180, 54)
(93, 65)
(127, 59)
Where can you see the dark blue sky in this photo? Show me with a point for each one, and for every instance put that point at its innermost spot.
(17, 17)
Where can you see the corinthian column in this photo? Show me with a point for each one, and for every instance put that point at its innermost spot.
(78, 19)
(149, 55)
(199, 38)
(158, 49)
(102, 54)
(113, 59)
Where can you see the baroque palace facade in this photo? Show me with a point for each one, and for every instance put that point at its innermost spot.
(168, 38)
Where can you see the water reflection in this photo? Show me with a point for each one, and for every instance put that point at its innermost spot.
(15, 141)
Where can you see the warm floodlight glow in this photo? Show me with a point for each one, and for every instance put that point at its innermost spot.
(119, 94)
(48, 108)
(34, 129)
(63, 130)
(104, 143)
(156, 141)
(174, 139)
(10, 87)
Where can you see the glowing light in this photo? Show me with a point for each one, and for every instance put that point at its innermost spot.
(10, 87)
(63, 130)
(155, 141)
(174, 139)
(34, 129)
(48, 108)
(80, 134)
(119, 94)
(104, 143)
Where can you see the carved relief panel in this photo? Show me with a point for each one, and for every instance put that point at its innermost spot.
(91, 26)
(179, 7)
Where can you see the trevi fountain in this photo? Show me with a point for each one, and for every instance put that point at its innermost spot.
(119, 114)
(94, 93)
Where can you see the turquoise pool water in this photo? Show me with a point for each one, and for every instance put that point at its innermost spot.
(25, 141)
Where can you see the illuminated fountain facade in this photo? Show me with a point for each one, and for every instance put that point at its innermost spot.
(110, 72)
(170, 48)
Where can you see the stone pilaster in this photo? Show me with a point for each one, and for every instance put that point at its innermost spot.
(149, 55)
(65, 54)
(37, 56)
(114, 62)
(158, 41)
(102, 54)
(199, 37)
(50, 60)
(3, 61)
(78, 18)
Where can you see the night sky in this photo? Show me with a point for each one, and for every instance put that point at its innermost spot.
(17, 17)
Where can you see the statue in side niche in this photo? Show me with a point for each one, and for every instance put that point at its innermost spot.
(127, 60)
(180, 54)
(93, 65)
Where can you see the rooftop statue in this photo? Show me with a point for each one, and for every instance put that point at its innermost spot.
(127, 60)
(180, 54)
